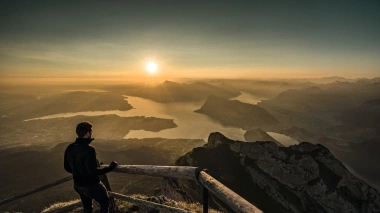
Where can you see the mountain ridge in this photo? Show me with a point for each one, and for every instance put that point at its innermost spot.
(299, 178)
(170, 91)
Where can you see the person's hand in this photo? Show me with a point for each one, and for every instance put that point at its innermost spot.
(112, 165)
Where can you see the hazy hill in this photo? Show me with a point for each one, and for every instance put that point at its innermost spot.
(299, 178)
(318, 109)
(363, 158)
(328, 98)
(308, 100)
(174, 92)
(327, 80)
(9, 101)
(236, 113)
(365, 115)
(369, 81)
(77, 101)
(261, 88)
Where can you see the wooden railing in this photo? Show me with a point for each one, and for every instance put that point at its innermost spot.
(209, 184)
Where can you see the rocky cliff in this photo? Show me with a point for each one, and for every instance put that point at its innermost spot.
(299, 178)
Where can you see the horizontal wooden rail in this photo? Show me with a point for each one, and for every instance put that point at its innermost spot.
(233, 200)
(182, 172)
(36, 190)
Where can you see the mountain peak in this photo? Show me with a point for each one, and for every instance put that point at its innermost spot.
(216, 138)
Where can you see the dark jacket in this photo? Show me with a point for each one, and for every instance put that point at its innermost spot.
(80, 160)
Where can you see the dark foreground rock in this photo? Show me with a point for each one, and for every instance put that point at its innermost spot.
(299, 178)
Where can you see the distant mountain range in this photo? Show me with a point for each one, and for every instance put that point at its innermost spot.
(330, 79)
(174, 92)
(319, 107)
(309, 100)
(368, 80)
(299, 178)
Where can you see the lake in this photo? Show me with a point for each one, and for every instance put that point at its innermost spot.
(283, 139)
(248, 98)
(189, 124)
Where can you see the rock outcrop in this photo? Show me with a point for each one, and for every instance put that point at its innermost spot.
(299, 178)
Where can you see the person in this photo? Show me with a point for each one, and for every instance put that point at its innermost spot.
(80, 160)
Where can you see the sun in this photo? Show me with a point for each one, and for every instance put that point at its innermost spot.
(151, 67)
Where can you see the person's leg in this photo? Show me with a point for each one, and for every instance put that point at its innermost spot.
(86, 201)
(87, 204)
(100, 195)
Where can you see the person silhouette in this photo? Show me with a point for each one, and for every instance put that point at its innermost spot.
(80, 160)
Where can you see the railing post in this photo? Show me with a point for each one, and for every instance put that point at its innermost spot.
(205, 200)
(205, 197)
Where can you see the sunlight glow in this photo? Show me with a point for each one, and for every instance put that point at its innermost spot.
(151, 67)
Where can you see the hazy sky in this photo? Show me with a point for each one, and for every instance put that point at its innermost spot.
(252, 38)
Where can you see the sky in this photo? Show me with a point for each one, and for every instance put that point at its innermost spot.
(189, 39)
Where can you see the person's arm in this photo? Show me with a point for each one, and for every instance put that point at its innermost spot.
(92, 166)
(66, 164)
